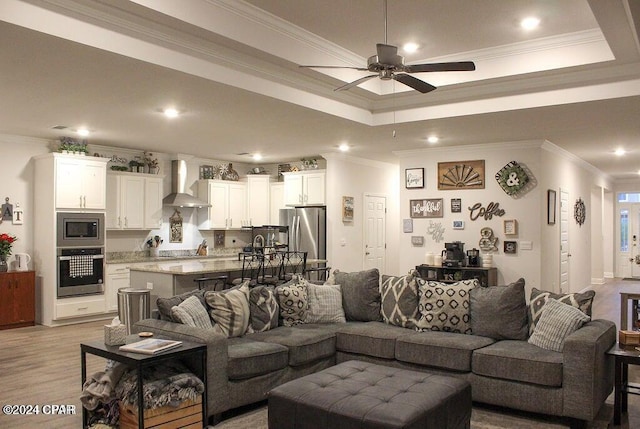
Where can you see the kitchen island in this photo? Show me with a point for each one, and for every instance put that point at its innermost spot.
(169, 278)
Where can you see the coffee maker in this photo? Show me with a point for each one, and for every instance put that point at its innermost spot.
(473, 257)
(453, 254)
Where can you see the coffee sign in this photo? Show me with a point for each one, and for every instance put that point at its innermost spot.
(427, 208)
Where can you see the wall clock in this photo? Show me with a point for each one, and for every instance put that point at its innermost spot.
(512, 178)
(461, 175)
(579, 211)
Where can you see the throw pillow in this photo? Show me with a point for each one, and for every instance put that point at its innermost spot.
(166, 304)
(229, 309)
(556, 322)
(400, 300)
(325, 304)
(294, 301)
(360, 294)
(500, 312)
(445, 306)
(582, 301)
(191, 312)
(264, 309)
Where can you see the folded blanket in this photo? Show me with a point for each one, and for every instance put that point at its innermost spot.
(100, 386)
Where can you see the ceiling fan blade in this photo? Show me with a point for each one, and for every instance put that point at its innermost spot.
(440, 67)
(335, 67)
(414, 83)
(355, 82)
(388, 54)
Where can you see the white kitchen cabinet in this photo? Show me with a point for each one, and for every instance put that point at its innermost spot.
(276, 202)
(258, 191)
(134, 201)
(304, 188)
(117, 277)
(80, 183)
(228, 204)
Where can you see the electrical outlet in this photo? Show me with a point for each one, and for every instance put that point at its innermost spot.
(149, 285)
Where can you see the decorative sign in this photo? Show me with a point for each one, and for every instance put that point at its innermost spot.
(407, 225)
(347, 209)
(487, 241)
(175, 227)
(510, 227)
(414, 178)
(579, 211)
(218, 238)
(417, 240)
(432, 207)
(458, 224)
(456, 205)
(461, 175)
(511, 247)
(492, 209)
(7, 210)
(512, 178)
(436, 231)
(17, 215)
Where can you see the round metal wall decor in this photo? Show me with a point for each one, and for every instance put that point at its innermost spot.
(579, 211)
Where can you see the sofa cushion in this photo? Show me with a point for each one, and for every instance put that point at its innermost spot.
(306, 343)
(400, 300)
(580, 300)
(556, 323)
(249, 358)
(519, 361)
(445, 306)
(229, 309)
(325, 304)
(165, 304)
(500, 312)
(293, 301)
(263, 309)
(376, 339)
(360, 294)
(191, 312)
(444, 350)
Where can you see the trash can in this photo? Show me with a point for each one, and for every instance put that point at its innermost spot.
(133, 305)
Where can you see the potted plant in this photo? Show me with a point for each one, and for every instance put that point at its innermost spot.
(151, 162)
(6, 241)
(133, 165)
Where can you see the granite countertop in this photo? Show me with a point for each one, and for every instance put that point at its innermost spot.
(144, 257)
(199, 266)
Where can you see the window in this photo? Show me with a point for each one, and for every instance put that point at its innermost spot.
(629, 197)
(624, 230)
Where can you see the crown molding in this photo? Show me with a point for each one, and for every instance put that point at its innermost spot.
(557, 150)
(485, 147)
(358, 160)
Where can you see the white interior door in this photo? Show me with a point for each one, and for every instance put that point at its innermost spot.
(634, 236)
(565, 254)
(375, 212)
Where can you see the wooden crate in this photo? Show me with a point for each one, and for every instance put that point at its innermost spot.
(187, 415)
(629, 338)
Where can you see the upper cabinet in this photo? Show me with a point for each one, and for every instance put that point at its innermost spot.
(134, 201)
(304, 188)
(276, 202)
(80, 182)
(258, 196)
(228, 204)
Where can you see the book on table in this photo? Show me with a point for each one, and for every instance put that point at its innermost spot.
(150, 346)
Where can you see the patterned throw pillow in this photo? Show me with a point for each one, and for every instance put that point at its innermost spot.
(191, 312)
(557, 321)
(294, 301)
(582, 301)
(325, 304)
(400, 300)
(229, 309)
(445, 306)
(264, 308)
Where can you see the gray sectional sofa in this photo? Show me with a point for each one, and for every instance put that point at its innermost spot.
(571, 383)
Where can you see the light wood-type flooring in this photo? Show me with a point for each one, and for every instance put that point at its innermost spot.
(41, 365)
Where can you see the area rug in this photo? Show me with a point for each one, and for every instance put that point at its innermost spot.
(482, 417)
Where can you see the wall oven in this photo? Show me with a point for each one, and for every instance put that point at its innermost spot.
(80, 229)
(80, 271)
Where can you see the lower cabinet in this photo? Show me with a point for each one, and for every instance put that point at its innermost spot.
(117, 277)
(79, 306)
(17, 299)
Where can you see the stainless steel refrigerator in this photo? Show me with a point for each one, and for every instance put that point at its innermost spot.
(307, 230)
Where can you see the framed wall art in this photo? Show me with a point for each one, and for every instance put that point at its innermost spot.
(510, 226)
(407, 225)
(461, 175)
(511, 247)
(551, 207)
(347, 209)
(414, 178)
(456, 205)
(427, 208)
(458, 224)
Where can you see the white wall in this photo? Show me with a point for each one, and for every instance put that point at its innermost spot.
(351, 176)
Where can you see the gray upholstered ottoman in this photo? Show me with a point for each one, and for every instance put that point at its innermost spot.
(363, 395)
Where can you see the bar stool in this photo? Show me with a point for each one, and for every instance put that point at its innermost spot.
(220, 280)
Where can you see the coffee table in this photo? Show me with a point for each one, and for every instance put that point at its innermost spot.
(623, 357)
(140, 361)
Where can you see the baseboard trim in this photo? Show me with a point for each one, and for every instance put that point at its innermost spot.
(597, 281)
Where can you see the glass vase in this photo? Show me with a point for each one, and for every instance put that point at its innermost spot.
(4, 267)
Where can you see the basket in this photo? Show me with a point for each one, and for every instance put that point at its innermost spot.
(187, 415)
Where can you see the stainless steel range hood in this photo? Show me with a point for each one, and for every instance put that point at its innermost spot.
(178, 196)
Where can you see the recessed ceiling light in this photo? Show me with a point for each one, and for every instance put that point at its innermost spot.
(171, 112)
(344, 147)
(620, 152)
(83, 132)
(530, 23)
(410, 47)
(257, 157)
(433, 139)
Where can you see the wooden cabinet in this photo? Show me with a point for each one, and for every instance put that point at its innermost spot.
(304, 188)
(17, 299)
(134, 201)
(117, 277)
(258, 194)
(276, 202)
(486, 276)
(228, 204)
(80, 183)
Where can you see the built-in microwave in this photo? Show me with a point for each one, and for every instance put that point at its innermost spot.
(80, 229)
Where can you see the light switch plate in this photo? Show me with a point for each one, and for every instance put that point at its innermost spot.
(526, 245)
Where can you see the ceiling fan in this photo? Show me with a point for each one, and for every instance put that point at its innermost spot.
(388, 65)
